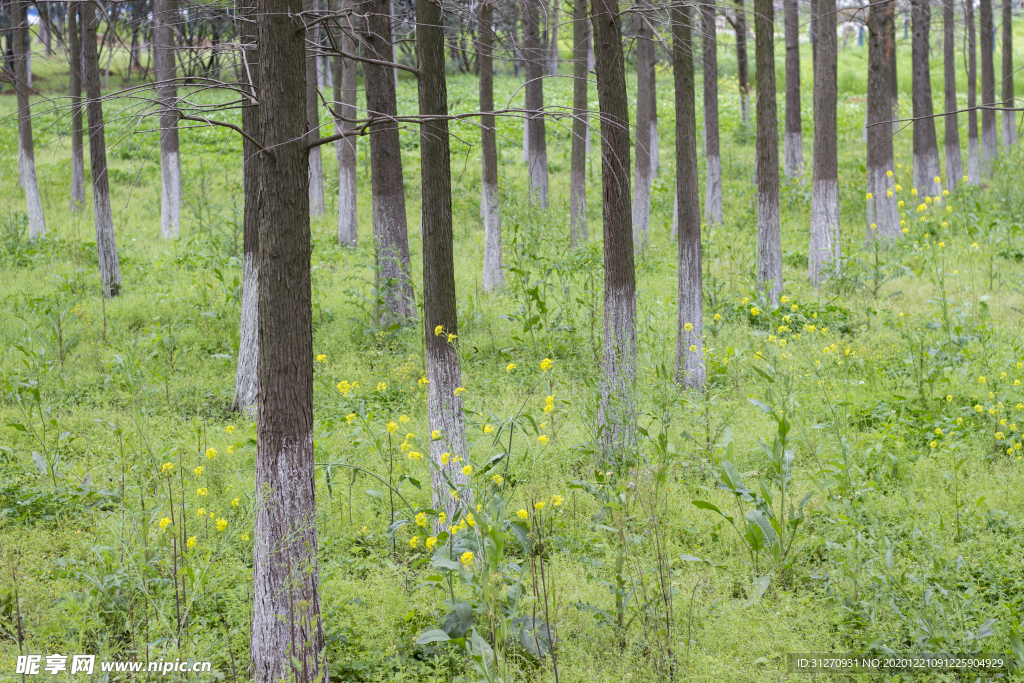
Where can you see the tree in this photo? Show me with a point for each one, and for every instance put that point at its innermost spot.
(106, 245)
(390, 231)
(825, 245)
(989, 144)
(26, 145)
(793, 146)
(973, 161)
(246, 372)
(167, 92)
(316, 166)
(75, 87)
(494, 276)
(690, 319)
(954, 162)
(739, 26)
(926, 149)
(287, 635)
(883, 218)
(345, 148)
(440, 310)
(644, 104)
(769, 229)
(533, 56)
(580, 129)
(617, 413)
(1009, 117)
(713, 183)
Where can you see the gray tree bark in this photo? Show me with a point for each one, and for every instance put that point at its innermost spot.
(106, 245)
(345, 149)
(883, 220)
(533, 56)
(926, 148)
(1009, 117)
(825, 244)
(617, 412)
(578, 160)
(644, 102)
(316, 165)
(75, 87)
(493, 276)
(769, 229)
(440, 312)
(989, 142)
(390, 230)
(556, 13)
(739, 25)
(690, 317)
(954, 161)
(713, 182)
(973, 160)
(287, 635)
(26, 144)
(164, 14)
(793, 145)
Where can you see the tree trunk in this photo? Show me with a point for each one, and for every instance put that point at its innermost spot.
(26, 145)
(825, 244)
(642, 172)
(287, 635)
(395, 297)
(553, 51)
(690, 319)
(75, 86)
(440, 312)
(533, 54)
(246, 372)
(973, 162)
(926, 148)
(164, 20)
(617, 412)
(713, 188)
(894, 91)
(106, 245)
(1009, 117)
(345, 148)
(954, 162)
(793, 145)
(769, 230)
(494, 276)
(742, 63)
(989, 144)
(316, 165)
(578, 162)
(882, 213)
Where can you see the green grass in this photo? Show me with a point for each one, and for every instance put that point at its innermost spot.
(147, 378)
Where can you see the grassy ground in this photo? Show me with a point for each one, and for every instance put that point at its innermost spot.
(900, 381)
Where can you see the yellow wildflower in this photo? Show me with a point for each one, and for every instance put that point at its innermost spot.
(167, 468)
(510, 367)
(230, 429)
(539, 505)
(165, 522)
(546, 364)
(436, 434)
(421, 519)
(191, 542)
(467, 470)
(467, 559)
(202, 491)
(438, 330)
(498, 479)
(382, 387)
(391, 427)
(556, 500)
(414, 541)
(688, 327)
(222, 524)
(431, 542)
(459, 391)
(211, 453)
(543, 439)
(523, 515)
(198, 471)
(234, 502)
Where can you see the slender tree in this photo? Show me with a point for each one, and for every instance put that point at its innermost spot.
(989, 143)
(246, 372)
(396, 303)
(164, 13)
(713, 183)
(825, 244)
(690, 319)
(440, 311)
(344, 85)
(973, 161)
(793, 145)
(316, 166)
(580, 129)
(494, 276)
(556, 13)
(954, 161)
(769, 229)
(739, 26)
(26, 144)
(1009, 117)
(106, 245)
(75, 87)
(893, 79)
(533, 56)
(882, 212)
(287, 635)
(926, 148)
(644, 102)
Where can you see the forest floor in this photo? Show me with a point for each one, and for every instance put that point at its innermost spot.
(897, 388)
